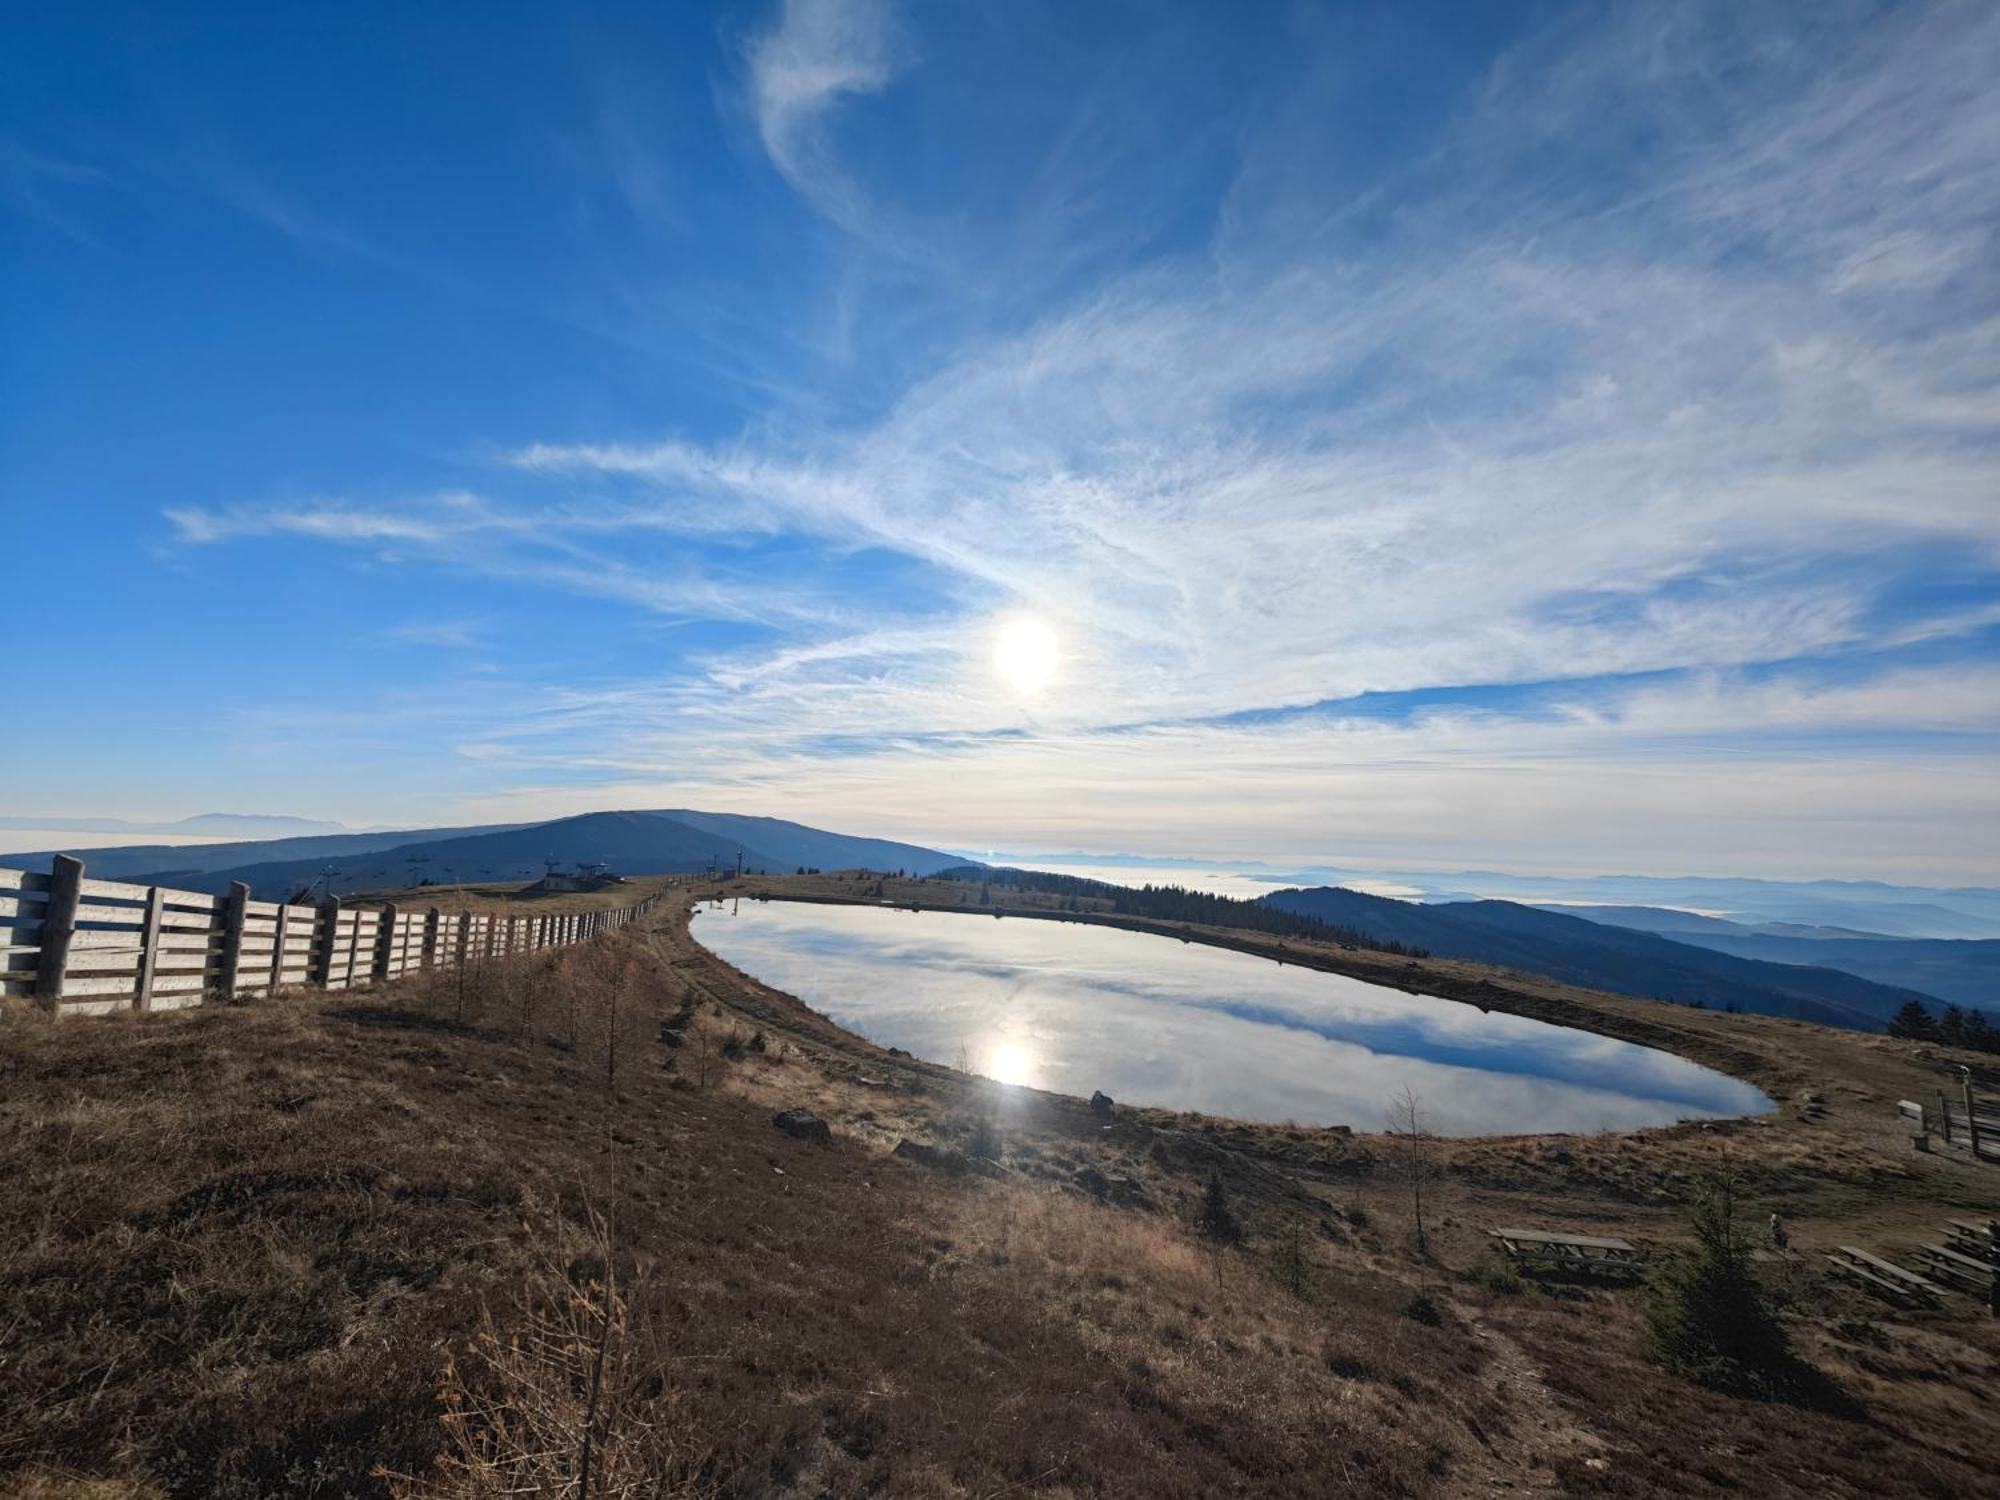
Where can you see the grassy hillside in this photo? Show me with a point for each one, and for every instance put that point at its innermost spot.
(630, 843)
(135, 861)
(794, 844)
(633, 842)
(299, 1247)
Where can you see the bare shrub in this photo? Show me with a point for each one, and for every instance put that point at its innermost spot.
(1410, 1127)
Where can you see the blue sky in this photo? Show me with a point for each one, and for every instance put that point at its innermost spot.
(1552, 437)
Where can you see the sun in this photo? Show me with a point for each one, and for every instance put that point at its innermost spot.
(1025, 654)
(1009, 1063)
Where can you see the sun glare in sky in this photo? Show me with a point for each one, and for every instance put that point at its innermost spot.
(1025, 653)
(1009, 1063)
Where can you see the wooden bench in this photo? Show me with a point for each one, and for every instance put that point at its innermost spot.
(1962, 1271)
(1968, 1238)
(1571, 1252)
(1885, 1276)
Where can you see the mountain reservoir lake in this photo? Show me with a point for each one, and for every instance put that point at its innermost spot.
(1150, 1020)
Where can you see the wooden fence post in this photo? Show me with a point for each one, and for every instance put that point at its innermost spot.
(1971, 1118)
(284, 927)
(1944, 1117)
(149, 947)
(353, 947)
(430, 937)
(327, 924)
(65, 890)
(385, 941)
(235, 907)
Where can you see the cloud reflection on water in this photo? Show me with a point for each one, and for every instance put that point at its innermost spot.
(1075, 1008)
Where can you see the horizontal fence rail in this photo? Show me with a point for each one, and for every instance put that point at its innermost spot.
(92, 947)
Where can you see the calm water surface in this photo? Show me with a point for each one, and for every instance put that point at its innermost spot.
(1151, 1020)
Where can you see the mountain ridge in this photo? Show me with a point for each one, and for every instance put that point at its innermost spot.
(629, 842)
(1600, 956)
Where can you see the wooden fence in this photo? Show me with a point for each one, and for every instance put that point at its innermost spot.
(1967, 1123)
(91, 947)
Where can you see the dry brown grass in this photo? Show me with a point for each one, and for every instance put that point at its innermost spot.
(1337, 1388)
(278, 1250)
(45, 1484)
(574, 1389)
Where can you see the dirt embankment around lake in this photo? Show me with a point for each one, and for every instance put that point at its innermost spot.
(250, 1251)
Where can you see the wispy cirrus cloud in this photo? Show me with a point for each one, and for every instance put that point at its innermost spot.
(334, 523)
(40, 186)
(1624, 426)
(1670, 363)
(818, 55)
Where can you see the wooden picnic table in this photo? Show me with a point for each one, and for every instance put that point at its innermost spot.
(1964, 1270)
(1891, 1287)
(1595, 1251)
(1884, 1275)
(1972, 1238)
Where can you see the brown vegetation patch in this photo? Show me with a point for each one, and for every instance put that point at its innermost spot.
(284, 1248)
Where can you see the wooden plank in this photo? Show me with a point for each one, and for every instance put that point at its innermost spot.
(135, 939)
(100, 961)
(126, 984)
(93, 938)
(195, 900)
(113, 917)
(185, 921)
(24, 881)
(118, 890)
(33, 908)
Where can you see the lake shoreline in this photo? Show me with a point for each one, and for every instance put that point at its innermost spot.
(1484, 988)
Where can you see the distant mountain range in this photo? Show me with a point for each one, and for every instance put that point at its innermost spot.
(1964, 971)
(630, 843)
(1870, 906)
(201, 825)
(1601, 955)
